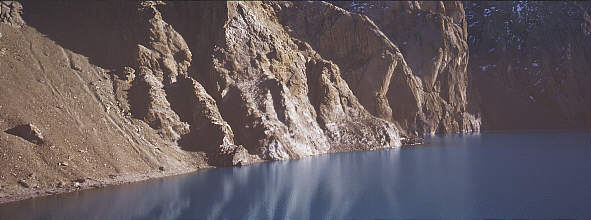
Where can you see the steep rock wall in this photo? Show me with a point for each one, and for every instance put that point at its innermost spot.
(265, 84)
(408, 67)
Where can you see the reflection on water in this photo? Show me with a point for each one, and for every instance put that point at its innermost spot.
(159, 199)
(494, 175)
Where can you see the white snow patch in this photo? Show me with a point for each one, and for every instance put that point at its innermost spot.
(487, 12)
(486, 67)
(519, 8)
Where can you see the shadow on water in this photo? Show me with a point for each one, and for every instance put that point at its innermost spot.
(498, 175)
(304, 188)
(136, 201)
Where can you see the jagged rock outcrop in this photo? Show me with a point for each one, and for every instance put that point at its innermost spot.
(432, 37)
(208, 131)
(161, 57)
(367, 58)
(163, 95)
(339, 112)
(263, 81)
(423, 86)
(530, 63)
(10, 13)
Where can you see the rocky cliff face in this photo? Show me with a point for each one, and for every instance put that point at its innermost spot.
(530, 63)
(10, 13)
(158, 88)
(281, 98)
(429, 74)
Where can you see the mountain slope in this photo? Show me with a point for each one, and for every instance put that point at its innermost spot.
(134, 90)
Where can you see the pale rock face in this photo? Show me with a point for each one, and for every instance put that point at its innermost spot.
(272, 89)
(272, 77)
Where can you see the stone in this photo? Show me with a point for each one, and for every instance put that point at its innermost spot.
(23, 183)
(29, 132)
(232, 155)
(127, 73)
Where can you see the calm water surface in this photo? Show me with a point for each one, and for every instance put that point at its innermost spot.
(492, 175)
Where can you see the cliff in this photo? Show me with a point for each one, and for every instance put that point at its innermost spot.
(133, 90)
(530, 63)
(431, 76)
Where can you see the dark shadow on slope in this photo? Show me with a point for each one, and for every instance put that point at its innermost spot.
(179, 97)
(29, 132)
(201, 25)
(248, 129)
(183, 100)
(138, 99)
(204, 135)
(96, 29)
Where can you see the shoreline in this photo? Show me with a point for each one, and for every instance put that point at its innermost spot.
(90, 183)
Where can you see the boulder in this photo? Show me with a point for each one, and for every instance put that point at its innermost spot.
(29, 132)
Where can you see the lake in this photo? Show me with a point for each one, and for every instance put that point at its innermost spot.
(534, 175)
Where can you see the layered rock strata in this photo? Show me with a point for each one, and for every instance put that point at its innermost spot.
(405, 61)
